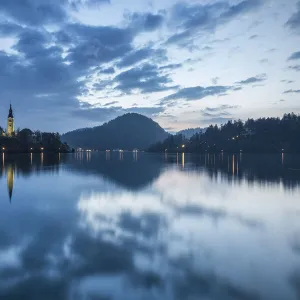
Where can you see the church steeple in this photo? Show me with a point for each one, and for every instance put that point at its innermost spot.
(10, 122)
(10, 113)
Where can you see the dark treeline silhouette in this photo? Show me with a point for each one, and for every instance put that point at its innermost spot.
(26, 140)
(128, 132)
(264, 135)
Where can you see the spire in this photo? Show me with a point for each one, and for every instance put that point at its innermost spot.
(10, 114)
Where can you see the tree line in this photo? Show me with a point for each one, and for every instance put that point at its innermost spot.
(26, 140)
(263, 135)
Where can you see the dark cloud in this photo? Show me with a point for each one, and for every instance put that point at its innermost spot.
(287, 81)
(136, 56)
(292, 92)
(294, 56)
(170, 67)
(38, 82)
(103, 114)
(264, 61)
(294, 20)
(215, 80)
(295, 68)
(76, 4)
(218, 112)
(207, 48)
(220, 108)
(110, 70)
(9, 29)
(258, 78)
(252, 37)
(40, 12)
(205, 17)
(34, 12)
(243, 7)
(111, 103)
(145, 21)
(197, 93)
(97, 44)
(32, 44)
(145, 79)
(218, 115)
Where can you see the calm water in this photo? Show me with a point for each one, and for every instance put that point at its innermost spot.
(108, 226)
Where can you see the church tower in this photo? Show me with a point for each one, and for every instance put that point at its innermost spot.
(10, 123)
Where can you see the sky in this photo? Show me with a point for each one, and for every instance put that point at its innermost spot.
(68, 64)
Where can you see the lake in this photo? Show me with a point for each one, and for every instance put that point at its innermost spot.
(142, 226)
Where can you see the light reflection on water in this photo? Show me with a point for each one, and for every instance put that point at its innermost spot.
(141, 226)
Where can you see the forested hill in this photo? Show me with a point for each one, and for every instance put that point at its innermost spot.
(264, 135)
(188, 133)
(128, 132)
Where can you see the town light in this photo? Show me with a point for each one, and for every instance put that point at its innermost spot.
(42, 148)
(182, 146)
(3, 148)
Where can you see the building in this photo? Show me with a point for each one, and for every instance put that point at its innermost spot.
(10, 131)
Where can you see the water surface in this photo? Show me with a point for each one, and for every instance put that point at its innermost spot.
(140, 226)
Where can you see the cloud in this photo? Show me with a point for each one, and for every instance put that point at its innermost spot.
(111, 103)
(218, 120)
(194, 18)
(103, 114)
(77, 4)
(264, 61)
(252, 37)
(295, 68)
(294, 20)
(136, 56)
(218, 112)
(144, 79)
(292, 92)
(42, 12)
(287, 81)
(110, 70)
(170, 67)
(34, 12)
(294, 56)
(258, 78)
(220, 108)
(97, 44)
(215, 80)
(197, 93)
(145, 21)
(9, 29)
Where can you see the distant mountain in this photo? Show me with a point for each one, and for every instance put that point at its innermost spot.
(188, 133)
(128, 132)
